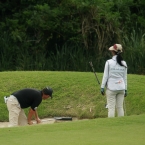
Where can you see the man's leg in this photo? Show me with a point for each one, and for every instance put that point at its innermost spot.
(119, 103)
(22, 120)
(14, 110)
(111, 100)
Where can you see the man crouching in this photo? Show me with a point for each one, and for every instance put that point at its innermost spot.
(23, 99)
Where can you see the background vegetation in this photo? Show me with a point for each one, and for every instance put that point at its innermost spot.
(67, 34)
(76, 94)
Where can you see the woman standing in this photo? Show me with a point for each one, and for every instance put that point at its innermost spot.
(115, 80)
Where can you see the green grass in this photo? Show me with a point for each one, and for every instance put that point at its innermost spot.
(111, 131)
(75, 93)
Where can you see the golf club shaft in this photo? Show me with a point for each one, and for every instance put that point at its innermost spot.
(91, 64)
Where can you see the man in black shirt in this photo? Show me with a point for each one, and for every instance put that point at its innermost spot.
(23, 99)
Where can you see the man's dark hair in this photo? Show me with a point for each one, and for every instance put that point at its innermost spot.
(48, 91)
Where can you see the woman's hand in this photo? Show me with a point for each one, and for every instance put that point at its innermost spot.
(102, 91)
(125, 93)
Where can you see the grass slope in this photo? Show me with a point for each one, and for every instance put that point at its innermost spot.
(76, 94)
(111, 131)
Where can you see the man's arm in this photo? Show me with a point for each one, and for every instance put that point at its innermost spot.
(30, 114)
(36, 117)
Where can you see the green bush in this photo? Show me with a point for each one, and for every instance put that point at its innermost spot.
(65, 35)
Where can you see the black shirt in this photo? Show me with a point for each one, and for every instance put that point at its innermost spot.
(28, 98)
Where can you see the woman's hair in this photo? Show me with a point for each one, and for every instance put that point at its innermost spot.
(119, 58)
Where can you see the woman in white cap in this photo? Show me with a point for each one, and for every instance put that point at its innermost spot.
(115, 80)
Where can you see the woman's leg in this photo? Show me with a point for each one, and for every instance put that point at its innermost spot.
(111, 100)
(119, 103)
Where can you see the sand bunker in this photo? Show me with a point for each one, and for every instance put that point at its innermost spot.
(43, 121)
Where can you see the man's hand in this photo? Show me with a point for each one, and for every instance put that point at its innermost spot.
(30, 122)
(38, 120)
(102, 91)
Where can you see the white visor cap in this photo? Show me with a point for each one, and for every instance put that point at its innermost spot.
(116, 48)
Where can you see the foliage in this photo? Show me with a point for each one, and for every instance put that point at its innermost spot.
(33, 33)
(135, 52)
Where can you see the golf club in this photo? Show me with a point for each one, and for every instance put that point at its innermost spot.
(91, 64)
